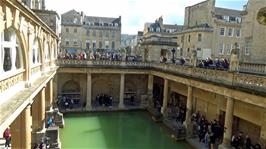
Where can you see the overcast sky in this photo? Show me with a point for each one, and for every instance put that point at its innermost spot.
(135, 13)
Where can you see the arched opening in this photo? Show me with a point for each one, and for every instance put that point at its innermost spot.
(35, 52)
(11, 58)
(46, 51)
(71, 90)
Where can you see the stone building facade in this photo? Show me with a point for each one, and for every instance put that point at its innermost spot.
(253, 34)
(28, 66)
(209, 30)
(158, 40)
(80, 32)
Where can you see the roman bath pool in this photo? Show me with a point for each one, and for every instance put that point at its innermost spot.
(115, 130)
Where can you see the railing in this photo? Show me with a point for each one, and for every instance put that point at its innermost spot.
(232, 79)
(253, 68)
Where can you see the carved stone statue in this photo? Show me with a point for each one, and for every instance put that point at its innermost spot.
(261, 16)
(234, 62)
(193, 58)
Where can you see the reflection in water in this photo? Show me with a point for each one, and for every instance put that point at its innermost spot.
(115, 130)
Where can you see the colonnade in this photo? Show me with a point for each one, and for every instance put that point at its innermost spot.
(32, 118)
(189, 106)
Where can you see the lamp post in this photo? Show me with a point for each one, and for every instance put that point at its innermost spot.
(173, 53)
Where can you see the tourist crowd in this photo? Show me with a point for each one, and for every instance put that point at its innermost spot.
(104, 100)
(66, 102)
(211, 134)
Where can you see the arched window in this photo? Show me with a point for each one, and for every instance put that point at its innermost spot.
(10, 55)
(35, 52)
(46, 51)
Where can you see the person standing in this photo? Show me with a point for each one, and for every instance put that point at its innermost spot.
(7, 136)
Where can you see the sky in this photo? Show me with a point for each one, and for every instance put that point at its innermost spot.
(135, 13)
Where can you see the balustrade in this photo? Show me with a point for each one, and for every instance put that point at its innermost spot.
(239, 80)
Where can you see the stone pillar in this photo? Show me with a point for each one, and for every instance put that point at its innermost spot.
(165, 96)
(49, 97)
(88, 104)
(51, 92)
(228, 123)
(189, 106)
(263, 131)
(122, 86)
(150, 90)
(150, 84)
(21, 130)
(41, 111)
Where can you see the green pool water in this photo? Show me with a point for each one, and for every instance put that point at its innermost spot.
(115, 130)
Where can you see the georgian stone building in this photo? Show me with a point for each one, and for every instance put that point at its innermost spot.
(80, 32)
(158, 40)
(209, 30)
(50, 17)
(253, 34)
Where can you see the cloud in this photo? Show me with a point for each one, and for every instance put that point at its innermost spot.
(134, 13)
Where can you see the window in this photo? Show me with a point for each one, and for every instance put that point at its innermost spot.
(87, 44)
(237, 32)
(228, 49)
(188, 38)
(35, 52)
(88, 33)
(221, 48)
(100, 33)
(94, 33)
(100, 45)
(46, 51)
(199, 37)
(113, 45)
(116, 24)
(94, 44)
(106, 34)
(75, 42)
(230, 32)
(67, 43)
(67, 30)
(113, 34)
(222, 31)
(181, 51)
(75, 30)
(107, 44)
(247, 46)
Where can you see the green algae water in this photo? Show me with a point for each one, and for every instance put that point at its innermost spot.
(115, 130)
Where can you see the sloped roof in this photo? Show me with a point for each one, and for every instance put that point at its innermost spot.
(100, 19)
(227, 12)
(73, 11)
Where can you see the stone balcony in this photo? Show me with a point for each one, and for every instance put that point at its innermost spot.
(241, 81)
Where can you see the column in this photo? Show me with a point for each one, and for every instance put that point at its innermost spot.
(189, 106)
(263, 131)
(51, 92)
(165, 96)
(150, 84)
(21, 130)
(122, 85)
(41, 111)
(228, 123)
(88, 104)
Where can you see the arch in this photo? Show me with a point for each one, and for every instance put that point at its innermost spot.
(71, 86)
(13, 50)
(36, 52)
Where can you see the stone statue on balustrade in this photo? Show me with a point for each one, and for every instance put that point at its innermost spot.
(193, 58)
(234, 59)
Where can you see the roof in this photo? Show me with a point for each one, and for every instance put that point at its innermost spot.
(100, 19)
(169, 26)
(227, 12)
(73, 11)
